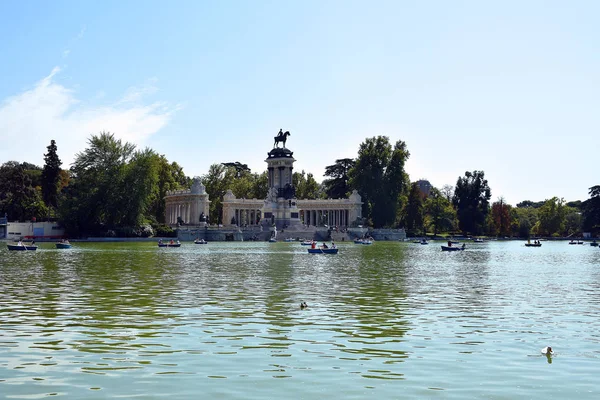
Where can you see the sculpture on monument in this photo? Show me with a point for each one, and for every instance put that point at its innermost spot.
(281, 137)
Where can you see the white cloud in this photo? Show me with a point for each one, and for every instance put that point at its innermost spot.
(29, 120)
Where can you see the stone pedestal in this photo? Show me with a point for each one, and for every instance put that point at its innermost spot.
(280, 207)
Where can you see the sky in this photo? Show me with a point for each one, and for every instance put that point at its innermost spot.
(510, 88)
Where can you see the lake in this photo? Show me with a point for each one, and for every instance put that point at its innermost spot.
(386, 321)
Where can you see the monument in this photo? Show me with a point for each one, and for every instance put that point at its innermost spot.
(280, 207)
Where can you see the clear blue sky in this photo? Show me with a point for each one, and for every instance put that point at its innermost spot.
(510, 88)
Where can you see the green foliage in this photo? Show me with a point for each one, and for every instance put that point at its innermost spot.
(415, 214)
(241, 182)
(239, 167)
(218, 179)
(501, 218)
(163, 230)
(530, 204)
(306, 186)
(591, 211)
(573, 221)
(378, 175)
(440, 215)
(18, 198)
(141, 178)
(337, 187)
(471, 199)
(261, 185)
(113, 188)
(170, 177)
(51, 178)
(551, 217)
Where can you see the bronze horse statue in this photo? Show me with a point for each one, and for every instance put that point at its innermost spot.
(281, 137)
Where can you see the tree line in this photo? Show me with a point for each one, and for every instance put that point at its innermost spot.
(113, 188)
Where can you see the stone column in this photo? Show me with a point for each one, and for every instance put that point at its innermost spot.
(271, 176)
(281, 169)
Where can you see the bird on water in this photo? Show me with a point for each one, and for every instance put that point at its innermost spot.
(547, 351)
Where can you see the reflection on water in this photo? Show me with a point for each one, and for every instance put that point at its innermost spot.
(124, 320)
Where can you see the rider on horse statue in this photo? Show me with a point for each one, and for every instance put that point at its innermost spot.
(281, 137)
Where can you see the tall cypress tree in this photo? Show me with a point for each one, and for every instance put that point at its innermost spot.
(51, 176)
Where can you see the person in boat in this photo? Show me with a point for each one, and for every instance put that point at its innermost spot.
(20, 243)
(449, 243)
(325, 246)
(160, 241)
(333, 245)
(171, 242)
(463, 246)
(313, 245)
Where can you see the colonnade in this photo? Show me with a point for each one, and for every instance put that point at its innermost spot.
(335, 217)
(246, 216)
(179, 209)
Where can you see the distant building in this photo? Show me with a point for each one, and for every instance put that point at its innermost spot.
(424, 186)
(33, 230)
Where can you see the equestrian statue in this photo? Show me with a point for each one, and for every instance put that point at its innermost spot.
(281, 137)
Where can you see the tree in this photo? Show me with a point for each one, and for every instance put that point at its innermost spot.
(18, 198)
(524, 219)
(217, 181)
(440, 214)
(501, 215)
(447, 191)
(573, 221)
(471, 199)
(337, 187)
(306, 186)
(260, 186)
(414, 211)
(238, 166)
(51, 176)
(141, 178)
(170, 177)
(378, 175)
(551, 217)
(95, 200)
(591, 211)
(530, 204)
(396, 183)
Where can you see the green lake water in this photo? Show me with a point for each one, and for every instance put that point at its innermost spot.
(386, 321)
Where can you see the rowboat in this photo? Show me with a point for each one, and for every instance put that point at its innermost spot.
(307, 243)
(594, 243)
(533, 244)
(200, 241)
(320, 250)
(449, 248)
(363, 241)
(63, 245)
(21, 247)
(160, 244)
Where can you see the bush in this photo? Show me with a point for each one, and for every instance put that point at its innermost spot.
(163, 230)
